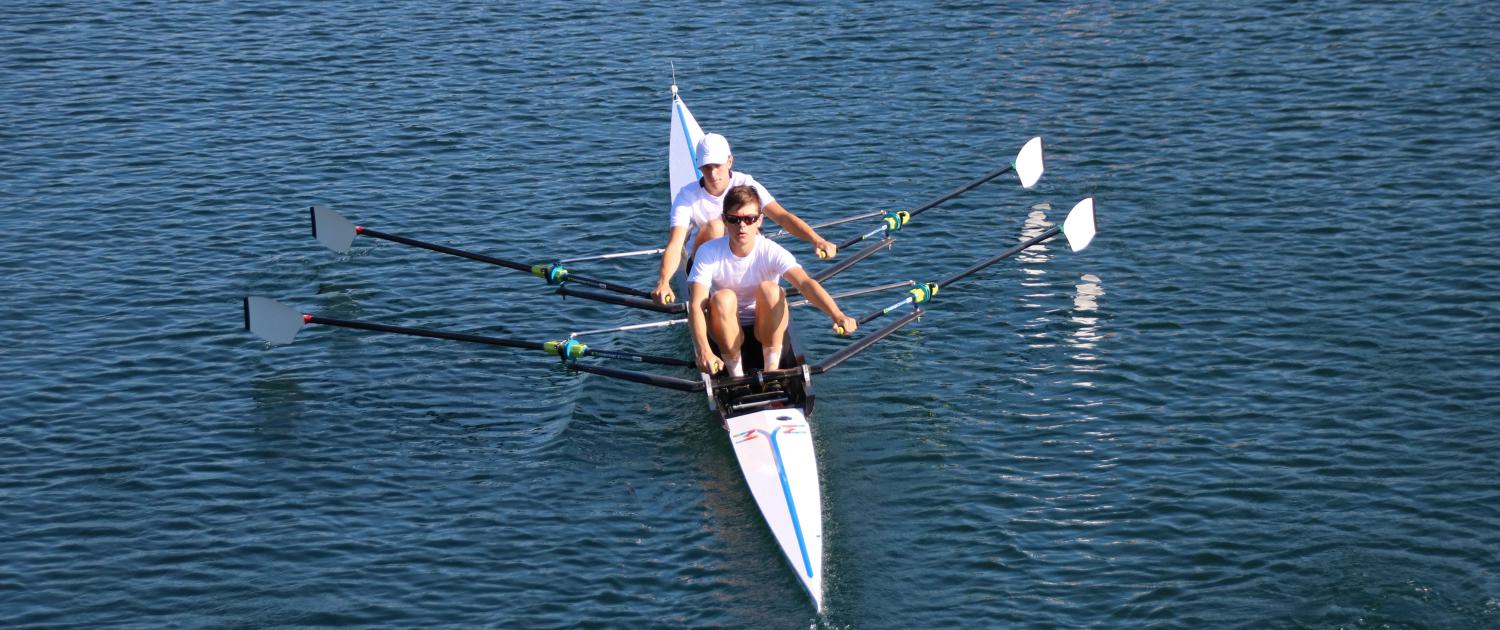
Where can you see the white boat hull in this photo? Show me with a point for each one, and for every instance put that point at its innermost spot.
(775, 451)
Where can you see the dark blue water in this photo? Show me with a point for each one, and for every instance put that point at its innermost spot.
(1265, 397)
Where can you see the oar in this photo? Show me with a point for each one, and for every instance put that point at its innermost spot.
(682, 320)
(279, 324)
(1028, 167)
(623, 300)
(337, 233)
(1078, 228)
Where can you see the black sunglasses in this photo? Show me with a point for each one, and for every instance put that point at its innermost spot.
(741, 219)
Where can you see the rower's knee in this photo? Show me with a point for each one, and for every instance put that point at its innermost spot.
(769, 294)
(723, 301)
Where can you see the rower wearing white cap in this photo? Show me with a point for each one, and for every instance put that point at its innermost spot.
(700, 205)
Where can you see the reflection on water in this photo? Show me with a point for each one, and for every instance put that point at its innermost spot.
(1036, 223)
(1034, 276)
(1085, 302)
(1086, 294)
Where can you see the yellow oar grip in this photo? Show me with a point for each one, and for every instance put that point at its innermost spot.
(896, 220)
(923, 292)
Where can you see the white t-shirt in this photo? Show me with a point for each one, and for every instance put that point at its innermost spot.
(718, 267)
(694, 207)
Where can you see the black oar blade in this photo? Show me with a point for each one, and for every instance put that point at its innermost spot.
(332, 229)
(1028, 163)
(1079, 226)
(271, 320)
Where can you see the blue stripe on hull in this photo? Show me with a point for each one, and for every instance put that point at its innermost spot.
(791, 506)
(687, 137)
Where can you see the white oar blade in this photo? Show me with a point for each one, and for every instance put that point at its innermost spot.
(1029, 162)
(1079, 226)
(332, 229)
(271, 320)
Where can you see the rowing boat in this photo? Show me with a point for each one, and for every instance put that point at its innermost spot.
(766, 414)
(767, 420)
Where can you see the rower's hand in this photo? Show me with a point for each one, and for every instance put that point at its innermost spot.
(709, 363)
(825, 249)
(845, 325)
(662, 294)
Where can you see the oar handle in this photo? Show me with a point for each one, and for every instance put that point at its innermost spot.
(621, 300)
(850, 261)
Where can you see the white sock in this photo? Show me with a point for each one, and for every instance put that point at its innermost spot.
(736, 366)
(773, 357)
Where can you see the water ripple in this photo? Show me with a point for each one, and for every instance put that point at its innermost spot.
(1262, 398)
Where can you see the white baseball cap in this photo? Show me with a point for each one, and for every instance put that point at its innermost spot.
(713, 149)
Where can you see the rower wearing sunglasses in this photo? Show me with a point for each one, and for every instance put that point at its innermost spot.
(734, 289)
(698, 207)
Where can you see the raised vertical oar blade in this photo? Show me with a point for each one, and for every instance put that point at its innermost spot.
(271, 320)
(1029, 162)
(332, 229)
(1079, 226)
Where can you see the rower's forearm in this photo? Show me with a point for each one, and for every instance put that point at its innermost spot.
(697, 327)
(800, 229)
(670, 259)
(820, 299)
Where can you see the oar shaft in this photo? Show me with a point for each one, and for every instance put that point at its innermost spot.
(509, 264)
(878, 313)
(963, 189)
(494, 341)
(608, 286)
(873, 315)
(1051, 232)
(444, 249)
(635, 356)
(852, 349)
(423, 332)
(659, 380)
(852, 260)
(936, 202)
